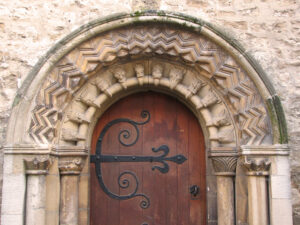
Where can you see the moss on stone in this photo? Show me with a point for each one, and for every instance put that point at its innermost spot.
(276, 115)
(281, 120)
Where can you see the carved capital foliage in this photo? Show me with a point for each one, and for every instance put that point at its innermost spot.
(224, 165)
(37, 166)
(224, 161)
(71, 158)
(70, 165)
(257, 166)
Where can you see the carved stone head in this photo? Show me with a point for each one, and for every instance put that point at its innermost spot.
(139, 70)
(119, 74)
(157, 71)
(102, 84)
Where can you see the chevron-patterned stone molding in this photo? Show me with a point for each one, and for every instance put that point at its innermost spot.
(123, 59)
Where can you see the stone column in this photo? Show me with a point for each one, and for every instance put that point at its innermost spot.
(258, 160)
(70, 169)
(224, 163)
(258, 169)
(36, 171)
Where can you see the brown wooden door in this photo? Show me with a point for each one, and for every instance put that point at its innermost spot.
(139, 185)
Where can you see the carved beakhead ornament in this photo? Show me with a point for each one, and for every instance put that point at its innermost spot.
(119, 74)
(176, 75)
(139, 70)
(157, 71)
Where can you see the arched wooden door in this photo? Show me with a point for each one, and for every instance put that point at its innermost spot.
(149, 166)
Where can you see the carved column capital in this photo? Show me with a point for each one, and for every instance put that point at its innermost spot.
(71, 165)
(37, 166)
(224, 161)
(256, 166)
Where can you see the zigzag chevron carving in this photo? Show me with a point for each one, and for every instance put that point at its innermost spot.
(187, 48)
(247, 104)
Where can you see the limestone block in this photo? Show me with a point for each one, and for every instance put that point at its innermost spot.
(281, 212)
(280, 165)
(52, 218)
(225, 200)
(15, 219)
(13, 192)
(13, 164)
(69, 200)
(280, 187)
(83, 193)
(53, 190)
(83, 217)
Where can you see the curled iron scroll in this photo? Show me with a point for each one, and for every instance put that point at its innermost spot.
(123, 179)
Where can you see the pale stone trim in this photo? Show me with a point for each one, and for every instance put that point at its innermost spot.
(36, 171)
(273, 162)
(70, 168)
(224, 162)
(27, 149)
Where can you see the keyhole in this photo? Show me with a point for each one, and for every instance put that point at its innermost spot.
(194, 190)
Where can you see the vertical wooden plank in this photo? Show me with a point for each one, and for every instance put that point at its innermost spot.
(160, 129)
(98, 212)
(169, 114)
(183, 170)
(196, 168)
(149, 181)
(110, 171)
(131, 212)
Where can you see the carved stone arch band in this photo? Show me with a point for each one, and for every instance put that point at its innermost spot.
(190, 65)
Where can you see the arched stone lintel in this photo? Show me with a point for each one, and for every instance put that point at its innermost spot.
(30, 87)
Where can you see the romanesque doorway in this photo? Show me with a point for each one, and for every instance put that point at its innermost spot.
(149, 154)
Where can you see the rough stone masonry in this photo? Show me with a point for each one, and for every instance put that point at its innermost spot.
(268, 29)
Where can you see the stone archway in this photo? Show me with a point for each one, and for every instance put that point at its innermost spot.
(106, 60)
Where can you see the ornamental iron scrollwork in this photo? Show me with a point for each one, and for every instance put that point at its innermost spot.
(123, 179)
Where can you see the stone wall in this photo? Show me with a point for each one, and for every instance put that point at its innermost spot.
(268, 29)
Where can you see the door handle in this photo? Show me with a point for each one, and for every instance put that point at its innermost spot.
(194, 190)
